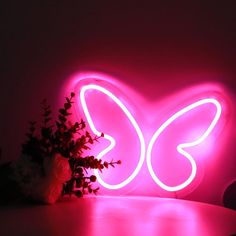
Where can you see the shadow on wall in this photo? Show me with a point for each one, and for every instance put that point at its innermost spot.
(229, 197)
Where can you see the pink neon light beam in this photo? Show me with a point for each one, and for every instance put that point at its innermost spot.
(182, 146)
(110, 138)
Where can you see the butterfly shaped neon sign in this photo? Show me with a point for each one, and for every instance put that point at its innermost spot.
(146, 150)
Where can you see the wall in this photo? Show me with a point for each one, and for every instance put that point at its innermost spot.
(155, 48)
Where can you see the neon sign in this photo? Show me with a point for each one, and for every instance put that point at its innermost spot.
(145, 151)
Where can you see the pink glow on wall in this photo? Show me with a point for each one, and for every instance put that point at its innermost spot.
(177, 136)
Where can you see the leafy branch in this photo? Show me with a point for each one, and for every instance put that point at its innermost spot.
(70, 140)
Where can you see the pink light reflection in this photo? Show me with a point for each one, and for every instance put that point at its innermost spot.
(160, 216)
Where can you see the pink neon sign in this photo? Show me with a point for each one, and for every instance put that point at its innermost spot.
(146, 151)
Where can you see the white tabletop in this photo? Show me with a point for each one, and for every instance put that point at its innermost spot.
(101, 216)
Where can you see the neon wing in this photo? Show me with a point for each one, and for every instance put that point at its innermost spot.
(110, 120)
(170, 136)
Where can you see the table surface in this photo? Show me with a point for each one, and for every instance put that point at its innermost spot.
(101, 216)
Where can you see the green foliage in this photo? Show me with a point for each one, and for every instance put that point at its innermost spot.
(70, 140)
